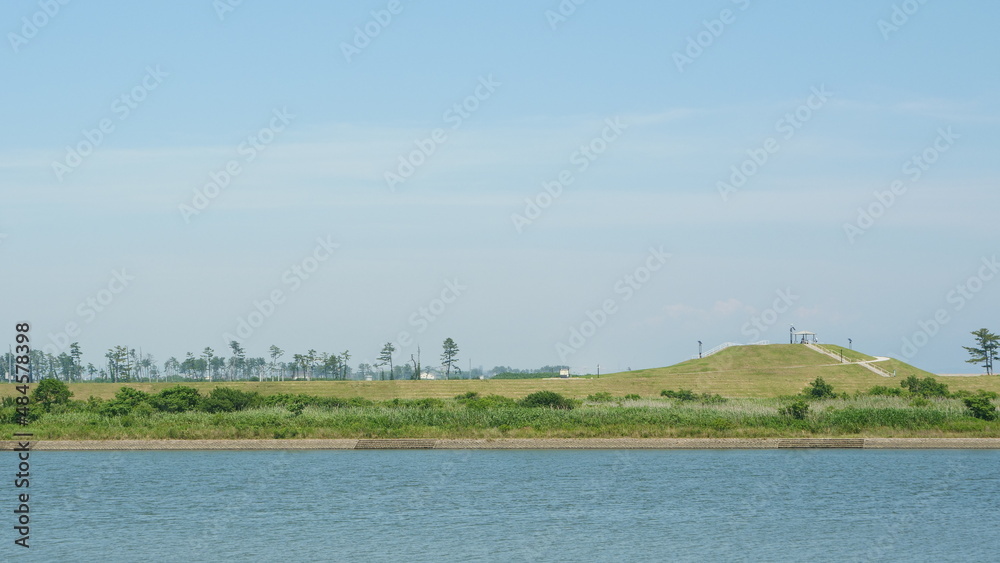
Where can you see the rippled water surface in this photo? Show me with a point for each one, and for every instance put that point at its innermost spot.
(706, 505)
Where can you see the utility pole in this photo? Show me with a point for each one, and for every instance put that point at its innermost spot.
(699, 349)
(598, 370)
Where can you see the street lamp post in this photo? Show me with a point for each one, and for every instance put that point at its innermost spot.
(699, 349)
(850, 343)
(791, 335)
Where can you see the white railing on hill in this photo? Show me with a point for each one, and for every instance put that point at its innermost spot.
(877, 370)
(725, 345)
(864, 363)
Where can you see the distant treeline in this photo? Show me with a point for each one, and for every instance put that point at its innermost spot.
(124, 364)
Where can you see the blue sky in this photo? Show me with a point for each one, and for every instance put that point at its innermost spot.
(309, 135)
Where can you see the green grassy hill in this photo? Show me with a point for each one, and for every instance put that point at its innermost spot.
(784, 369)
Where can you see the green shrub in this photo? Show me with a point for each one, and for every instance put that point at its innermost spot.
(981, 407)
(227, 399)
(632, 397)
(359, 402)
(114, 408)
(797, 410)
(467, 395)
(286, 399)
(490, 402)
(680, 394)
(430, 403)
(125, 400)
(94, 404)
(143, 410)
(920, 402)
(176, 399)
(10, 415)
(50, 392)
(131, 397)
(710, 399)
(601, 397)
(926, 387)
(819, 389)
(549, 399)
(883, 391)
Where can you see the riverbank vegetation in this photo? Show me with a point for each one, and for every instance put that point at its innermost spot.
(912, 408)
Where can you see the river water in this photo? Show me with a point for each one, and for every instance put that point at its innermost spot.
(482, 505)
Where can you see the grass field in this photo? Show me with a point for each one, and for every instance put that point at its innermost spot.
(744, 371)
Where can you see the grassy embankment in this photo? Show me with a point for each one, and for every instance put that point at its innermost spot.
(757, 380)
(644, 418)
(739, 372)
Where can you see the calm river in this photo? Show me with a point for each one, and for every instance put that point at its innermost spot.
(611, 505)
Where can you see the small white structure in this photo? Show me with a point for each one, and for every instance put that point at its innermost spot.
(426, 375)
(804, 336)
(564, 373)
